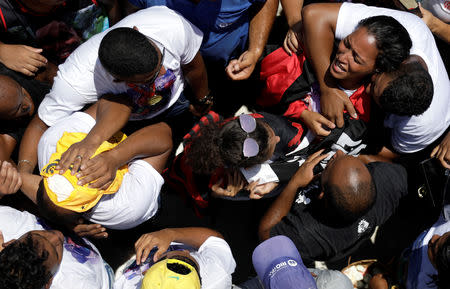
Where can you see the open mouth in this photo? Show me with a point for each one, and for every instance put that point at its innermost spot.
(338, 66)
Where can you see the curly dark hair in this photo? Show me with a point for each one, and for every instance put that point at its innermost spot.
(221, 145)
(392, 39)
(410, 92)
(442, 279)
(126, 52)
(22, 266)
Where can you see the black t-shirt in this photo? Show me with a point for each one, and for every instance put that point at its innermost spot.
(317, 241)
(37, 91)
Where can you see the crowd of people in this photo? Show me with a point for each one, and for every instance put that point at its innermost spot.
(222, 144)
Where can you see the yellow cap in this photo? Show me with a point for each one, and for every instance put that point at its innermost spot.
(63, 189)
(161, 277)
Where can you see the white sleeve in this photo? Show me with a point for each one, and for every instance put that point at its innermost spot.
(61, 102)
(216, 263)
(193, 39)
(14, 223)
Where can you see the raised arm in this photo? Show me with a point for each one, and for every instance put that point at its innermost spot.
(436, 25)
(194, 236)
(260, 26)
(282, 205)
(319, 22)
(293, 12)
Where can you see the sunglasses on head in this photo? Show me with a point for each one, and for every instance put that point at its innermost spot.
(248, 124)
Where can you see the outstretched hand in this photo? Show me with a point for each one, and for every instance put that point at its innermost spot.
(242, 68)
(22, 58)
(305, 174)
(160, 239)
(90, 230)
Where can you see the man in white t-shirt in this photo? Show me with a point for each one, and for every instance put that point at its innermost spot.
(409, 134)
(34, 256)
(200, 259)
(135, 70)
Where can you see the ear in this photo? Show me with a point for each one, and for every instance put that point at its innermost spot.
(135, 28)
(49, 283)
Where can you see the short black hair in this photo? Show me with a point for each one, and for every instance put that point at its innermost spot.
(349, 202)
(392, 39)
(53, 212)
(410, 92)
(22, 266)
(126, 52)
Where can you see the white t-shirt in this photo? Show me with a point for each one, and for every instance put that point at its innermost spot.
(420, 267)
(214, 258)
(81, 79)
(409, 134)
(137, 199)
(82, 266)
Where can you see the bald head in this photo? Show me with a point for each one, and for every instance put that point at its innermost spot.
(348, 187)
(15, 102)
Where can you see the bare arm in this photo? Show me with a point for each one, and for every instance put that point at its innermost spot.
(437, 26)
(112, 114)
(282, 205)
(385, 155)
(29, 144)
(194, 236)
(292, 10)
(197, 78)
(319, 22)
(154, 143)
(7, 145)
(260, 26)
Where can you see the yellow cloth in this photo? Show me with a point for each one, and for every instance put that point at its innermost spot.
(159, 276)
(81, 198)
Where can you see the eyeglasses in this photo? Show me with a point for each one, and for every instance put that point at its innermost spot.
(248, 124)
(159, 68)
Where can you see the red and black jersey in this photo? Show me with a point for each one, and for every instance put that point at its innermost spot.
(181, 178)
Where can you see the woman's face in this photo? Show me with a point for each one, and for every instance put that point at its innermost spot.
(355, 59)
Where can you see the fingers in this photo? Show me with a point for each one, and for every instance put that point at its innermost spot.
(32, 49)
(91, 230)
(350, 108)
(435, 151)
(286, 46)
